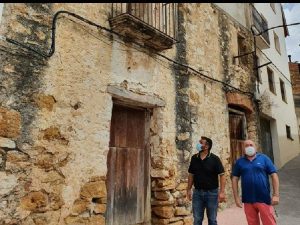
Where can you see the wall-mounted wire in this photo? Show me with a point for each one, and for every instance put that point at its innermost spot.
(52, 48)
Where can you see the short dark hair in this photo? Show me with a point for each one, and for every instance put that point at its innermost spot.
(208, 141)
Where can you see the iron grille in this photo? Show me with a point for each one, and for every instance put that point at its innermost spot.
(161, 16)
(260, 23)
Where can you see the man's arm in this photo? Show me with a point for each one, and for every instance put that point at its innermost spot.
(189, 187)
(237, 199)
(222, 197)
(275, 184)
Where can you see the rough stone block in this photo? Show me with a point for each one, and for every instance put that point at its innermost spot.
(7, 184)
(181, 211)
(183, 136)
(45, 161)
(164, 211)
(93, 190)
(162, 195)
(177, 223)
(181, 201)
(99, 208)
(74, 220)
(52, 133)
(165, 183)
(96, 220)
(7, 143)
(10, 123)
(175, 219)
(35, 201)
(56, 201)
(45, 101)
(188, 220)
(157, 202)
(80, 206)
(182, 186)
(159, 221)
(16, 156)
(159, 173)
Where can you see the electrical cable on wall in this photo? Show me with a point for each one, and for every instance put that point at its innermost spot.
(52, 48)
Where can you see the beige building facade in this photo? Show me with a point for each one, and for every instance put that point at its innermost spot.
(99, 119)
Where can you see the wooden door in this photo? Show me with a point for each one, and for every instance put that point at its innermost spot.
(266, 138)
(128, 178)
(237, 128)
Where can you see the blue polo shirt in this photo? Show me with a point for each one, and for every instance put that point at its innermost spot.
(255, 178)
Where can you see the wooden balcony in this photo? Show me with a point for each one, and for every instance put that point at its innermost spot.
(151, 24)
(260, 24)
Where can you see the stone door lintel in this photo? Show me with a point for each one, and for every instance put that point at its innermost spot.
(134, 98)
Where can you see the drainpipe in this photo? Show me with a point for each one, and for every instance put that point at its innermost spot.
(255, 57)
(258, 130)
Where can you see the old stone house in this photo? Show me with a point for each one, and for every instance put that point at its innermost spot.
(102, 105)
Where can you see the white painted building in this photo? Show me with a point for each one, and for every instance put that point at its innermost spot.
(278, 121)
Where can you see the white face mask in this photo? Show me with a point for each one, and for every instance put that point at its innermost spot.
(250, 151)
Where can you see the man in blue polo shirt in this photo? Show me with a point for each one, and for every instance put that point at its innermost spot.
(254, 169)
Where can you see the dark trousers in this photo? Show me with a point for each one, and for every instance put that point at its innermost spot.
(208, 200)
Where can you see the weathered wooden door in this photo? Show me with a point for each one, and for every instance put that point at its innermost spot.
(266, 138)
(237, 128)
(128, 178)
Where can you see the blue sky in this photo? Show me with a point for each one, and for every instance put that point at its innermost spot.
(292, 15)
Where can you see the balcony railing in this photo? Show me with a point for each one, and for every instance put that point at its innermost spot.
(160, 19)
(260, 24)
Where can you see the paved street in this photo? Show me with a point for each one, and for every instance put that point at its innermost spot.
(288, 210)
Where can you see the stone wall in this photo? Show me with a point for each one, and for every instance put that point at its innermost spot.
(55, 112)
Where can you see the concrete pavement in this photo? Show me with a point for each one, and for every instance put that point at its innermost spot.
(232, 216)
(288, 210)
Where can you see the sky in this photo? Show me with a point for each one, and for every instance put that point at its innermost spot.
(292, 15)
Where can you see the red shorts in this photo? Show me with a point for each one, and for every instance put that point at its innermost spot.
(266, 213)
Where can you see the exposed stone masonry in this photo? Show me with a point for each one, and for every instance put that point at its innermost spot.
(55, 113)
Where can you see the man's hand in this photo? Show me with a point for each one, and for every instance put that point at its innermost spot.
(237, 199)
(189, 194)
(275, 200)
(221, 197)
(238, 203)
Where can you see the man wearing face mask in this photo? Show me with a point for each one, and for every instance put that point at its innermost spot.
(254, 170)
(204, 172)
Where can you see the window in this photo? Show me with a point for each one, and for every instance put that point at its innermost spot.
(282, 89)
(242, 50)
(276, 41)
(258, 75)
(273, 6)
(271, 80)
(288, 132)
